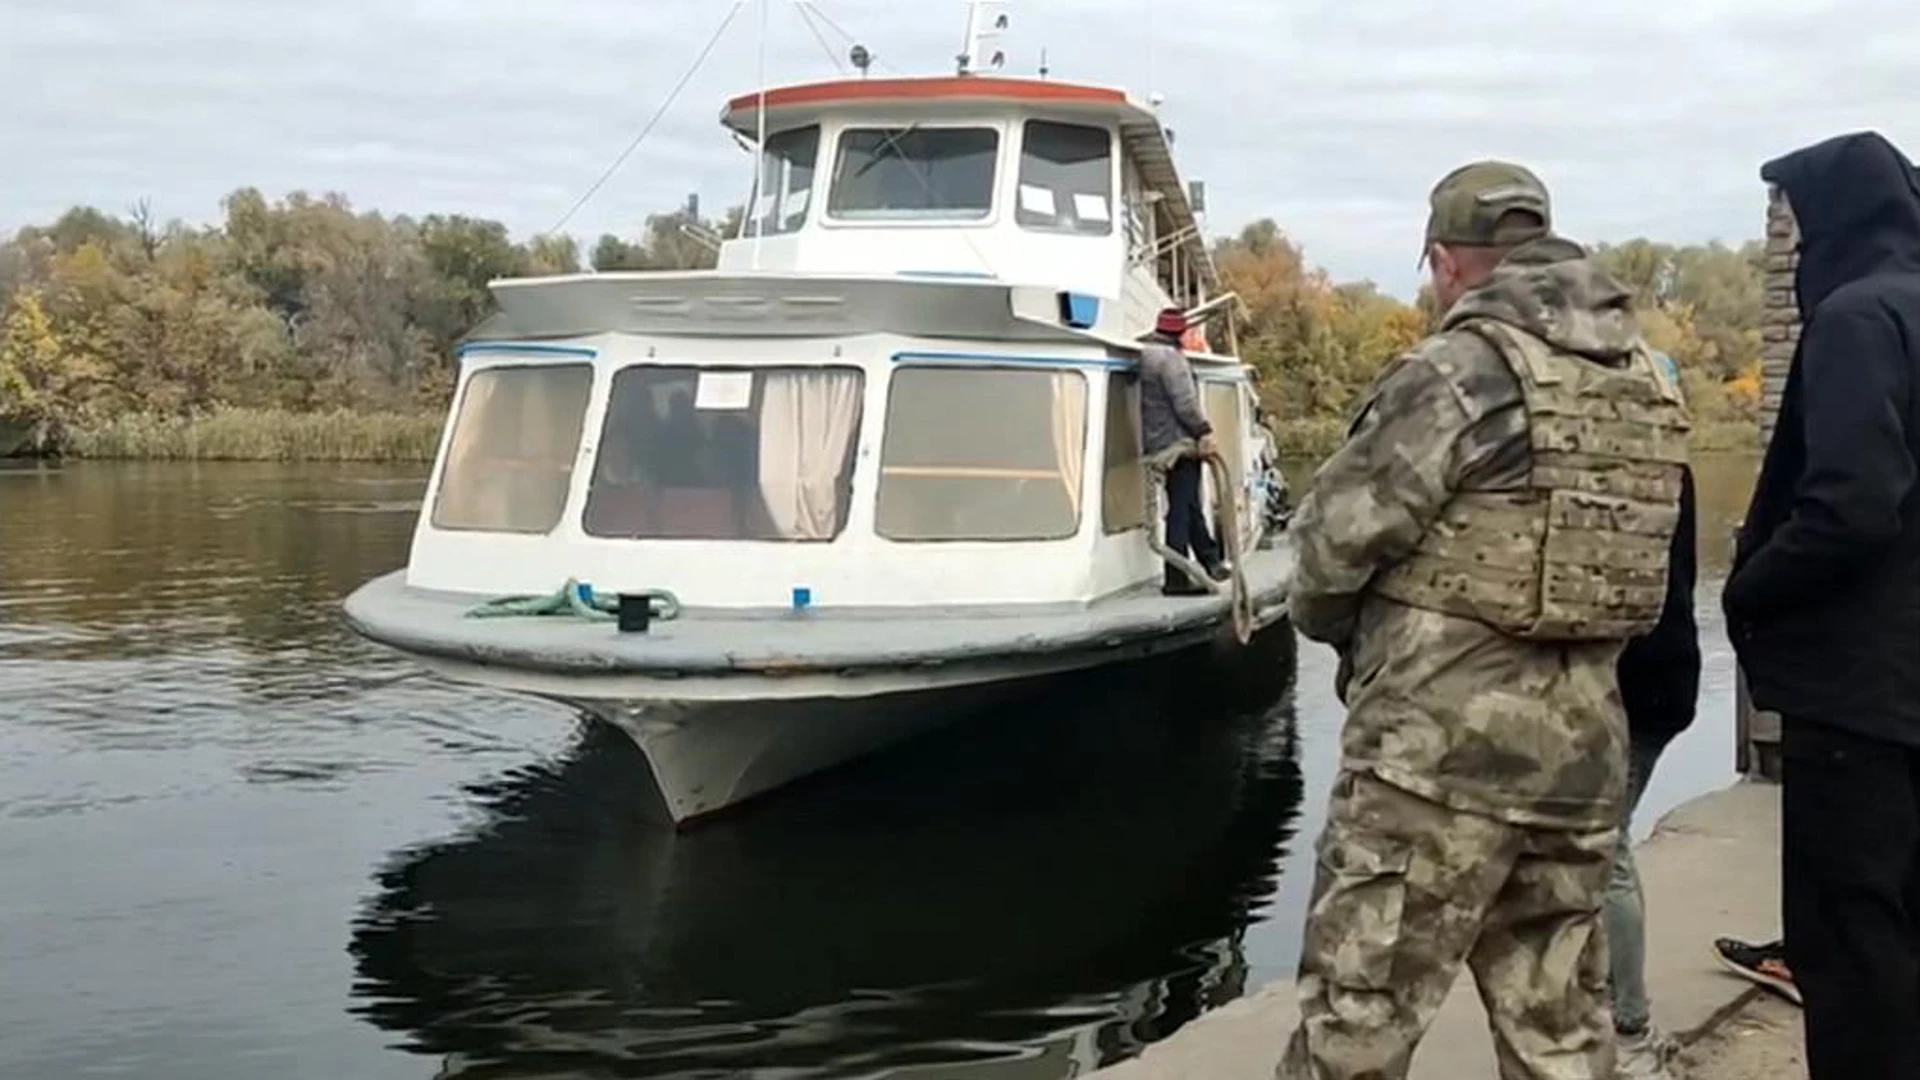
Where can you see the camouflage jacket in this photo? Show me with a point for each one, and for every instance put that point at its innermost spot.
(1442, 706)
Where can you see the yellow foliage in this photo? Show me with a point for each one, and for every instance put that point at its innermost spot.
(1746, 389)
(44, 386)
(1317, 345)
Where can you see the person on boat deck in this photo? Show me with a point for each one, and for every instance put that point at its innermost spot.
(1170, 414)
(1483, 775)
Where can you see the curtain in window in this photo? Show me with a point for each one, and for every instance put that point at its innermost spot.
(807, 424)
(1069, 433)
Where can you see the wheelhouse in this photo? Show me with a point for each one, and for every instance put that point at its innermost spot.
(1020, 181)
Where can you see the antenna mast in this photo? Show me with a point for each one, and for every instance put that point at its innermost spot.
(986, 21)
(760, 145)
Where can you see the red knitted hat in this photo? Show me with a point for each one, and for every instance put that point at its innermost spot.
(1171, 321)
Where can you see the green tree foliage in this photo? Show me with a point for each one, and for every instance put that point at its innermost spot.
(681, 240)
(1701, 305)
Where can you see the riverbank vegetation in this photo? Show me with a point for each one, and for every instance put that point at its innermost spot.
(302, 329)
(241, 434)
(1318, 344)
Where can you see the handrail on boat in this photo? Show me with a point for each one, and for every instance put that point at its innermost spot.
(1226, 516)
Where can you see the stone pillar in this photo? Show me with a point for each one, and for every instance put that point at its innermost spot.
(1757, 754)
(1780, 319)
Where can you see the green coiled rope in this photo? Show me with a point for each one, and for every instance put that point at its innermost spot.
(573, 598)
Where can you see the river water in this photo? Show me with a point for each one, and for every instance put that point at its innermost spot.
(236, 841)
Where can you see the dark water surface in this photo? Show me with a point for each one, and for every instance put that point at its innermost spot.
(235, 841)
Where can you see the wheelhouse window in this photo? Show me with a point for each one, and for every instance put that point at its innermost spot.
(976, 453)
(1123, 489)
(715, 453)
(510, 461)
(914, 174)
(786, 169)
(1066, 178)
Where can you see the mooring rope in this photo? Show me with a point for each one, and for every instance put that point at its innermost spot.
(573, 598)
(1226, 516)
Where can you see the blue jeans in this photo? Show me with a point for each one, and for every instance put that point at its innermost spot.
(1186, 520)
(1625, 910)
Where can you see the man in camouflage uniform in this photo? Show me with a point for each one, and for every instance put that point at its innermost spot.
(1494, 529)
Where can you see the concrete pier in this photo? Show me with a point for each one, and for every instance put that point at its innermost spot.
(1758, 731)
(1710, 869)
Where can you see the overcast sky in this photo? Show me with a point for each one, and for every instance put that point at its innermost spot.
(1645, 117)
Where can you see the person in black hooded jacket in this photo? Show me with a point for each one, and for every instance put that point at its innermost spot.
(1824, 605)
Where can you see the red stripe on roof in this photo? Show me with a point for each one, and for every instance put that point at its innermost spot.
(951, 87)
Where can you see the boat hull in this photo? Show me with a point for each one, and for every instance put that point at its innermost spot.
(728, 706)
(709, 756)
(711, 753)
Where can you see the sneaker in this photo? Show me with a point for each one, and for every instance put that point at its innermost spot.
(1644, 1056)
(1764, 964)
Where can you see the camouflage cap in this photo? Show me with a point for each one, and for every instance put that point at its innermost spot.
(1469, 202)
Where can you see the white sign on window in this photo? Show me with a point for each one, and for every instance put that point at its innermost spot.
(1037, 200)
(724, 390)
(1091, 207)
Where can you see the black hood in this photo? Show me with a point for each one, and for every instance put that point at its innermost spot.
(1857, 201)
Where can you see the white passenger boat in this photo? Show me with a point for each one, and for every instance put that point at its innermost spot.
(885, 458)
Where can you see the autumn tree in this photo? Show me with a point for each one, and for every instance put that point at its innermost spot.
(45, 388)
(1317, 345)
(304, 303)
(1701, 305)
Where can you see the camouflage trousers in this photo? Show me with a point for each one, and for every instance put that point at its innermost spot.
(1405, 891)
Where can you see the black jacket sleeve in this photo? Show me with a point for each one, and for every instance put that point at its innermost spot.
(1846, 507)
(1660, 673)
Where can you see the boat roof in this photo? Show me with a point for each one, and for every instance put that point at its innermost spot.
(1141, 135)
(565, 308)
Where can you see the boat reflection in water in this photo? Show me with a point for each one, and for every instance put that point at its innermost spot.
(1028, 896)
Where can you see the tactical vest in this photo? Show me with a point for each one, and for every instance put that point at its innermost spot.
(1580, 553)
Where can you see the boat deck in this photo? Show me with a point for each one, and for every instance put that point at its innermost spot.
(782, 642)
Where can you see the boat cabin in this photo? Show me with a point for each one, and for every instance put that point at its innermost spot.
(1021, 181)
(909, 382)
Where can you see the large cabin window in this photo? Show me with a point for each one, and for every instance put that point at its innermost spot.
(1066, 178)
(914, 174)
(726, 453)
(974, 453)
(510, 461)
(1123, 488)
(787, 170)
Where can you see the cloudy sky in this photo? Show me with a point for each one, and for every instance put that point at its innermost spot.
(1646, 117)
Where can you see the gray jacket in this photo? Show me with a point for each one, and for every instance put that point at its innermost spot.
(1169, 399)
